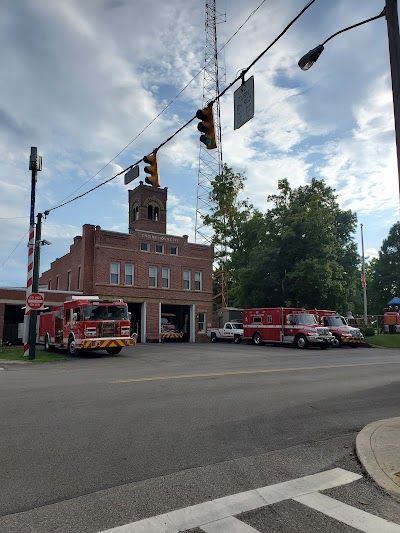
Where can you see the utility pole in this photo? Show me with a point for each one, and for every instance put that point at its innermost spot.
(392, 21)
(35, 164)
(35, 287)
(363, 278)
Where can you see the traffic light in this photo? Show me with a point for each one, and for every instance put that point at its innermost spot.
(153, 178)
(206, 126)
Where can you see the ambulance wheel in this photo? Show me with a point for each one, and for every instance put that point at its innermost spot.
(257, 340)
(337, 342)
(113, 351)
(301, 342)
(213, 337)
(47, 346)
(237, 339)
(72, 349)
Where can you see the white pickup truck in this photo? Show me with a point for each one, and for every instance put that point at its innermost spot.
(232, 331)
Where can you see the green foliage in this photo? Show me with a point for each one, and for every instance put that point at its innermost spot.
(367, 331)
(384, 273)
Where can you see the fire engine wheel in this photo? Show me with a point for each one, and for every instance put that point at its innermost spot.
(47, 346)
(72, 349)
(301, 342)
(113, 351)
(213, 337)
(257, 340)
(337, 342)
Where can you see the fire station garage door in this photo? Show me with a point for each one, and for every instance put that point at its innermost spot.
(175, 323)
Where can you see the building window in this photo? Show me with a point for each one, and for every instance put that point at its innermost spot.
(153, 213)
(114, 273)
(49, 284)
(198, 281)
(144, 246)
(57, 283)
(129, 273)
(269, 319)
(186, 279)
(160, 248)
(68, 280)
(79, 277)
(202, 323)
(152, 276)
(166, 275)
(135, 213)
(174, 250)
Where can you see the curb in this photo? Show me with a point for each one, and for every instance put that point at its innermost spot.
(368, 455)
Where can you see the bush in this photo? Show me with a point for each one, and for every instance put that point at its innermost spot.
(367, 331)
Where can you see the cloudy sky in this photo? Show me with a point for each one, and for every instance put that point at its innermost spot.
(81, 80)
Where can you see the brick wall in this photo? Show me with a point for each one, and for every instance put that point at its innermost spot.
(71, 262)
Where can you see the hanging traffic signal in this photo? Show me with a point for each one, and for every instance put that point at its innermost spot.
(153, 178)
(206, 126)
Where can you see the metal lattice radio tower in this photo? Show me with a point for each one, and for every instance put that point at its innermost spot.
(210, 161)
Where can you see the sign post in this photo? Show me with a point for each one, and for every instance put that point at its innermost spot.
(244, 103)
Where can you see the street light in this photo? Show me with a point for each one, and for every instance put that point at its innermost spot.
(390, 11)
(308, 60)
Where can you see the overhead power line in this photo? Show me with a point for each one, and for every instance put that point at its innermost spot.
(14, 249)
(165, 108)
(240, 77)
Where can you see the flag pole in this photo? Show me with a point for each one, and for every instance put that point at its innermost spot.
(363, 278)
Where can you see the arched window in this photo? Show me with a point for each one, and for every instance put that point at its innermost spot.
(135, 213)
(150, 212)
(156, 214)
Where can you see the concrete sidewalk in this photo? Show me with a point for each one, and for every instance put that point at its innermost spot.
(378, 448)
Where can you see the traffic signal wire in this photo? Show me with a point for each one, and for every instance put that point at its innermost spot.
(163, 110)
(240, 77)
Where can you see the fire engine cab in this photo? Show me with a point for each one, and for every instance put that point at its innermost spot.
(284, 325)
(86, 323)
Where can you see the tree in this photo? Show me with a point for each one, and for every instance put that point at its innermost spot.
(227, 215)
(385, 272)
(303, 252)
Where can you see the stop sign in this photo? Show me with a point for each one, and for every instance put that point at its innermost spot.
(35, 301)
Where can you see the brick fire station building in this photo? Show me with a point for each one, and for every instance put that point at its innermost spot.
(164, 278)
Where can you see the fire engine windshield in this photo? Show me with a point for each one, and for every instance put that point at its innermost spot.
(105, 312)
(304, 319)
(334, 321)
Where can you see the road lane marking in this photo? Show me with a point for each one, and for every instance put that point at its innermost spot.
(222, 508)
(244, 372)
(366, 522)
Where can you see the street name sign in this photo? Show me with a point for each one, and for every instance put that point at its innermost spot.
(35, 301)
(132, 174)
(243, 99)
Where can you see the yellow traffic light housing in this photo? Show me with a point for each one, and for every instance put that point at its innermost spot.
(154, 178)
(206, 126)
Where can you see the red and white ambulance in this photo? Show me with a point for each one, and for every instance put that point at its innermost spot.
(285, 325)
(86, 323)
(342, 332)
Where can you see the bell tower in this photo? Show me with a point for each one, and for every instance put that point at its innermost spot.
(148, 209)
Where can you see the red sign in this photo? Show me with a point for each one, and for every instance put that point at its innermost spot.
(35, 301)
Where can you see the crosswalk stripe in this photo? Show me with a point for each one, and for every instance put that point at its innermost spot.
(211, 511)
(366, 522)
(231, 525)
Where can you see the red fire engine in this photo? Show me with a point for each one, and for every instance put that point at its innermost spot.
(86, 323)
(286, 325)
(342, 332)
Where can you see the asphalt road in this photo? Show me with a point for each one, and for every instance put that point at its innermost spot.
(100, 441)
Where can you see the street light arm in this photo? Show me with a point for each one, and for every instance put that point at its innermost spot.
(355, 25)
